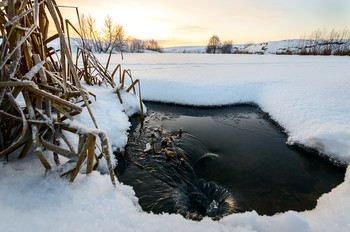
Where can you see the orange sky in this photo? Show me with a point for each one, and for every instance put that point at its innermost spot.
(192, 22)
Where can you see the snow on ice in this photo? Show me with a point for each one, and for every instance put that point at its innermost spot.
(308, 96)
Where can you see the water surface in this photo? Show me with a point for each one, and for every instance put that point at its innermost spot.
(237, 148)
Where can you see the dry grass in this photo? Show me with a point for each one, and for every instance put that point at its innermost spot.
(49, 82)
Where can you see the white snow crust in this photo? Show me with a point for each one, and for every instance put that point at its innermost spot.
(308, 96)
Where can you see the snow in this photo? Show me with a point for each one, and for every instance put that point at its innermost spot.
(33, 71)
(270, 47)
(308, 96)
(91, 203)
(184, 49)
(296, 91)
(148, 147)
(108, 109)
(274, 47)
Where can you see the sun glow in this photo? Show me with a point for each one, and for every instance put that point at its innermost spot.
(146, 29)
(137, 22)
(192, 22)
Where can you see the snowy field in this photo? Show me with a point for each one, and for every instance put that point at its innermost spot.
(308, 96)
(270, 47)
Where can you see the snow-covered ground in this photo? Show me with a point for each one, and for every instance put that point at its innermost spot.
(291, 46)
(271, 47)
(308, 96)
(184, 49)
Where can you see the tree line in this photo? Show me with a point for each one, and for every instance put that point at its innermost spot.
(319, 42)
(112, 37)
(216, 47)
(323, 42)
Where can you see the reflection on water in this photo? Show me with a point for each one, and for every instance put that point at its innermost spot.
(241, 157)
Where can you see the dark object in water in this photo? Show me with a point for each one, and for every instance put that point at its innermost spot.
(175, 187)
(206, 199)
(236, 147)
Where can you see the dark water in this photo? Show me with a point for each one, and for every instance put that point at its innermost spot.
(227, 160)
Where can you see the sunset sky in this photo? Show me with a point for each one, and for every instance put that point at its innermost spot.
(192, 22)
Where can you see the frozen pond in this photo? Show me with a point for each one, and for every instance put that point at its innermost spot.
(237, 148)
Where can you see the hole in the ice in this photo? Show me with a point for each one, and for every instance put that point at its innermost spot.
(218, 161)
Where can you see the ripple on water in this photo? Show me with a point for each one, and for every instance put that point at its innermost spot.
(226, 160)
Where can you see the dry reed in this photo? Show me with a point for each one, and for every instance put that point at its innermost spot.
(49, 82)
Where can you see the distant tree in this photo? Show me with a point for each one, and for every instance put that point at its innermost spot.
(322, 42)
(108, 34)
(94, 34)
(227, 47)
(316, 39)
(88, 31)
(135, 45)
(111, 37)
(108, 38)
(119, 38)
(84, 31)
(153, 45)
(213, 44)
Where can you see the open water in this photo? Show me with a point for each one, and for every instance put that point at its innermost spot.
(218, 161)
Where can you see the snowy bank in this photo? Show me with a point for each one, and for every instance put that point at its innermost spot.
(308, 96)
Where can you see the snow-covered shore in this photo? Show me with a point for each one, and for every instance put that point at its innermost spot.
(291, 46)
(308, 96)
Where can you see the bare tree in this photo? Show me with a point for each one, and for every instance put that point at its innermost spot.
(91, 36)
(94, 34)
(153, 45)
(343, 42)
(135, 45)
(85, 33)
(213, 44)
(316, 39)
(119, 38)
(326, 43)
(108, 34)
(227, 47)
(138, 45)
